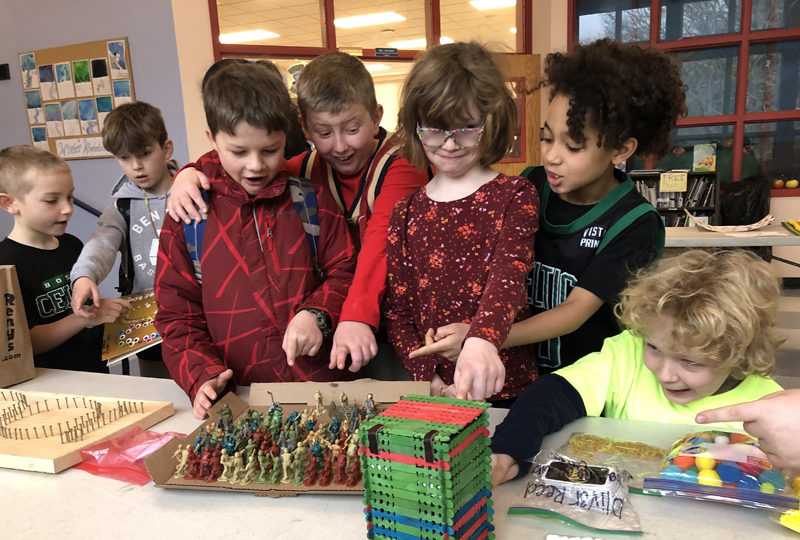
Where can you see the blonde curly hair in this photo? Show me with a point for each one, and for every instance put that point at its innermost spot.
(723, 305)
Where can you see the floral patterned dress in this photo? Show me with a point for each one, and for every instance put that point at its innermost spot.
(462, 261)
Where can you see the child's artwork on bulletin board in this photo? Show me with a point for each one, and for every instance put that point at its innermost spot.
(70, 90)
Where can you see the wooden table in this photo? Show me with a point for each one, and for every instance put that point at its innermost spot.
(688, 237)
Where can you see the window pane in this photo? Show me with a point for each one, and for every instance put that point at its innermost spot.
(682, 153)
(496, 27)
(298, 23)
(391, 34)
(710, 75)
(775, 14)
(614, 19)
(774, 147)
(772, 80)
(690, 18)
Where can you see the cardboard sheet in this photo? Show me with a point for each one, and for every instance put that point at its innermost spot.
(292, 397)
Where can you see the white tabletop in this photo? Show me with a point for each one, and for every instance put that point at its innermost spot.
(771, 235)
(76, 505)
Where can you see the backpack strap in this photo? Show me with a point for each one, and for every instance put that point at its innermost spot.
(305, 203)
(625, 221)
(126, 269)
(379, 174)
(193, 236)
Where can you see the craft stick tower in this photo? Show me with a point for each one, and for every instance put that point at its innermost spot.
(426, 470)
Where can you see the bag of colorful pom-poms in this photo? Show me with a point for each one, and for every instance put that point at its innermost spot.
(724, 467)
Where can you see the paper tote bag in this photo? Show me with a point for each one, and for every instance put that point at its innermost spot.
(16, 353)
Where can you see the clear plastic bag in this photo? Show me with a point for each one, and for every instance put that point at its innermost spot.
(725, 467)
(578, 493)
(638, 459)
(122, 458)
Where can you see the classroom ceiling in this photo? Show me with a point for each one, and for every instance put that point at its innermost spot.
(298, 22)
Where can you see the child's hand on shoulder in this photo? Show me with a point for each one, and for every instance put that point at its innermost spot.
(185, 197)
(84, 289)
(208, 392)
(302, 337)
(107, 311)
(504, 468)
(445, 341)
(479, 371)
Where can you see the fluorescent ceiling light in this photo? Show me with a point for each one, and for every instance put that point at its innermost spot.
(368, 20)
(492, 4)
(417, 43)
(377, 67)
(248, 35)
(409, 44)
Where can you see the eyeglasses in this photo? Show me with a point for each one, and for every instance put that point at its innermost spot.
(464, 138)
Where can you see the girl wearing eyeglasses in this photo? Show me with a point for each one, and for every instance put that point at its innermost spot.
(608, 100)
(458, 249)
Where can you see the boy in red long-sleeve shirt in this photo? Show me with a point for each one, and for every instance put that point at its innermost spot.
(356, 161)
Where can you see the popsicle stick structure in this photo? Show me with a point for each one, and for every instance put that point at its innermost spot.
(45, 432)
(426, 470)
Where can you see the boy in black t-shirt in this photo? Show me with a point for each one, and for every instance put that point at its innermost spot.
(36, 188)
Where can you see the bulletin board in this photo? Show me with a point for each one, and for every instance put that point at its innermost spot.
(70, 90)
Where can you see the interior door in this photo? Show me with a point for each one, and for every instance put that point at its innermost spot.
(522, 72)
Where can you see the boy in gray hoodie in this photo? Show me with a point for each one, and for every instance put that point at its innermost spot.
(135, 133)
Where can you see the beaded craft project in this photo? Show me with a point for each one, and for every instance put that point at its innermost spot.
(133, 330)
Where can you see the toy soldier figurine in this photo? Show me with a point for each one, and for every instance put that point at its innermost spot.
(216, 464)
(226, 459)
(276, 405)
(193, 459)
(341, 465)
(250, 471)
(263, 462)
(204, 468)
(286, 462)
(352, 450)
(238, 468)
(181, 454)
(226, 417)
(312, 472)
(369, 405)
(326, 475)
(343, 399)
(318, 396)
(275, 470)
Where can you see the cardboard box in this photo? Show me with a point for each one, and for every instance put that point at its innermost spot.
(292, 397)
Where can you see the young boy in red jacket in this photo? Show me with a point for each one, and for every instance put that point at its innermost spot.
(262, 310)
(356, 161)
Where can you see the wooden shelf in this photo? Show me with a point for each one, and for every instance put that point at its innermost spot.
(647, 183)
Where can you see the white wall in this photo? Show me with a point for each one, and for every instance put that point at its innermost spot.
(195, 55)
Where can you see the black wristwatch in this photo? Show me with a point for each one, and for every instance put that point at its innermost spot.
(323, 321)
